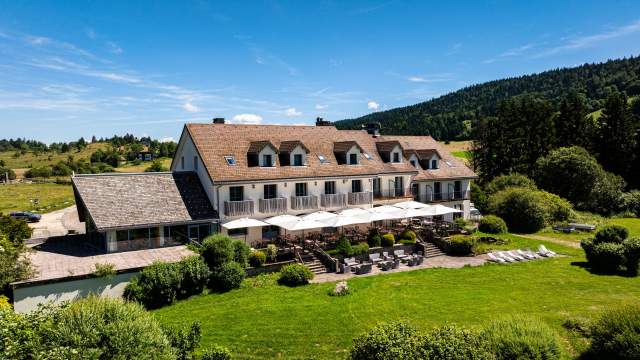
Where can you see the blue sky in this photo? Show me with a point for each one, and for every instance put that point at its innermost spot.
(79, 68)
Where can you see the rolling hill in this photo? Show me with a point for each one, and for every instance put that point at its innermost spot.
(448, 117)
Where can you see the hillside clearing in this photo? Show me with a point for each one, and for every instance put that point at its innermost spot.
(17, 197)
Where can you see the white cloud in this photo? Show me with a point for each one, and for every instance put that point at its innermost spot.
(372, 105)
(38, 40)
(292, 112)
(168, 139)
(518, 51)
(114, 48)
(251, 119)
(321, 107)
(416, 79)
(190, 107)
(91, 34)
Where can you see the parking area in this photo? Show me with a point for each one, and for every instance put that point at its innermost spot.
(57, 223)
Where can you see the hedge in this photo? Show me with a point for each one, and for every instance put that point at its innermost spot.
(388, 240)
(294, 275)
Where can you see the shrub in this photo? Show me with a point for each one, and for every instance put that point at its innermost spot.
(492, 224)
(478, 197)
(461, 245)
(344, 246)
(184, 340)
(294, 275)
(156, 166)
(341, 289)
(216, 353)
(241, 252)
(388, 240)
(631, 249)
(104, 270)
(43, 172)
(616, 335)
(227, 277)
(408, 234)
(272, 252)
(375, 240)
(195, 275)
(632, 202)
(452, 343)
(607, 196)
(156, 286)
(407, 242)
(607, 256)
(611, 233)
(521, 337)
(387, 341)
(216, 250)
(257, 258)
(360, 249)
(503, 182)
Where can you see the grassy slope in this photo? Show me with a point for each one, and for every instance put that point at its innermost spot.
(274, 321)
(129, 168)
(52, 197)
(633, 224)
(30, 159)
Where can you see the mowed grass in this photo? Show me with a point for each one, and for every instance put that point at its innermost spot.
(131, 168)
(632, 224)
(30, 159)
(16, 197)
(272, 321)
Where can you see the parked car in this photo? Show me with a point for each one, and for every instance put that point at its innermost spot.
(26, 215)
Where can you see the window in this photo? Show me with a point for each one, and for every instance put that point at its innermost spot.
(434, 164)
(139, 234)
(356, 186)
(195, 163)
(270, 191)
(353, 159)
(399, 185)
(267, 160)
(236, 193)
(367, 156)
(323, 160)
(237, 232)
(182, 162)
(377, 191)
(230, 160)
(413, 163)
(297, 160)
(329, 187)
(122, 235)
(396, 157)
(301, 189)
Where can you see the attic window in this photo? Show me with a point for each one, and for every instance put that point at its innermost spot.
(230, 160)
(323, 160)
(367, 156)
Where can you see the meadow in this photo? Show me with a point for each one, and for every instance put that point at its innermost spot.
(17, 197)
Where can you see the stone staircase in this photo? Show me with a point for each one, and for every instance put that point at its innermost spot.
(314, 264)
(431, 250)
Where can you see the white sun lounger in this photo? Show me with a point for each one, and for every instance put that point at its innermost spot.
(527, 255)
(542, 250)
(496, 259)
(506, 257)
(516, 256)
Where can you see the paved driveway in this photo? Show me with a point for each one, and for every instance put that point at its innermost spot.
(57, 223)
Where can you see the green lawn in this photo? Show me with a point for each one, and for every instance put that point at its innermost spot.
(46, 159)
(271, 321)
(465, 154)
(15, 197)
(633, 224)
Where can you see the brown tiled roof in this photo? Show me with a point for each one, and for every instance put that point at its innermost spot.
(130, 200)
(214, 141)
(387, 146)
(450, 166)
(289, 146)
(344, 146)
(257, 146)
(424, 154)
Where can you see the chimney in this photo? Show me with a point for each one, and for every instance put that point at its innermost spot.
(218, 120)
(373, 129)
(322, 122)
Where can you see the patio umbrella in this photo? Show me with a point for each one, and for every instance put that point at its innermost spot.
(281, 219)
(386, 212)
(438, 209)
(302, 224)
(359, 213)
(342, 220)
(319, 215)
(243, 223)
(410, 205)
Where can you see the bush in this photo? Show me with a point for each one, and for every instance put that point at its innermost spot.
(631, 248)
(257, 258)
(272, 252)
(632, 202)
(521, 337)
(492, 224)
(344, 246)
(195, 275)
(216, 250)
(616, 335)
(227, 277)
(607, 196)
(184, 340)
(504, 182)
(461, 245)
(104, 270)
(397, 341)
(607, 256)
(40, 172)
(388, 240)
(156, 286)
(451, 343)
(216, 353)
(375, 240)
(156, 166)
(241, 252)
(478, 197)
(611, 233)
(360, 249)
(294, 275)
(408, 234)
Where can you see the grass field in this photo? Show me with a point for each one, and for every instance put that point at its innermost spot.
(633, 224)
(47, 159)
(16, 197)
(129, 168)
(271, 321)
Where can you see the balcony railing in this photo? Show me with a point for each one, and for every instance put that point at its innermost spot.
(238, 208)
(333, 200)
(392, 193)
(275, 205)
(304, 202)
(360, 198)
(447, 196)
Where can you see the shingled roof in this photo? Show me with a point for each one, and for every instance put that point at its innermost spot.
(130, 200)
(387, 146)
(214, 141)
(256, 146)
(290, 145)
(425, 146)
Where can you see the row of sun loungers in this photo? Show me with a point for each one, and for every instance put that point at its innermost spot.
(511, 256)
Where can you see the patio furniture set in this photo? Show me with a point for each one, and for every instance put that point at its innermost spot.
(512, 256)
(383, 261)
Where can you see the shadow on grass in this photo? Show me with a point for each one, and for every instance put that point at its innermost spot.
(603, 272)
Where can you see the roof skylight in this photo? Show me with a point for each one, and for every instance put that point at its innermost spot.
(323, 160)
(230, 160)
(449, 163)
(367, 156)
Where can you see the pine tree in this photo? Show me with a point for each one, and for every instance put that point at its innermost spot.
(617, 140)
(572, 125)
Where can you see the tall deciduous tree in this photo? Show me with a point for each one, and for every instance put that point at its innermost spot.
(617, 140)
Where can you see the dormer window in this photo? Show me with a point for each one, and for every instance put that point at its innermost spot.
(261, 153)
(267, 160)
(413, 163)
(292, 153)
(353, 159)
(347, 152)
(298, 160)
(396, 157)
(434, 164)
(390, 151)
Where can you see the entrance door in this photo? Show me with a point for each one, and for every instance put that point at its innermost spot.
(415, 191)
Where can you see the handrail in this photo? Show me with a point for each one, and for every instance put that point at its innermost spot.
(325, 255)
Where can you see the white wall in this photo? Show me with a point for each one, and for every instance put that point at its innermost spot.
(187, 149)
(296, 151)
(267, 150)
(27, 298)
(354, 150)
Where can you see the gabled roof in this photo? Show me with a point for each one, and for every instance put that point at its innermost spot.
(290, 145)
(129, 200)
(256, 146)
(387, 146)
(214, 141)
(426, 154)
(344, 146)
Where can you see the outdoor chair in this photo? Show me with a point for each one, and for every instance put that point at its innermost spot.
(516, 256)
(396, 263)
(375, 258)
(386, 265)
(400, 254)
(385, 255)
(351, 261)
(506, 257)
(420, 253)
(526, 255)
(542, 250)
(420, 260)
(363, 269)
(345, 269)
(496, 259)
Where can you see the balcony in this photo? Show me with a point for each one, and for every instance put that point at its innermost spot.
(447, 196)
(360, 198)
(333, 200)
(304, 202)
(392, 193)
(275, 205)
(238, 208)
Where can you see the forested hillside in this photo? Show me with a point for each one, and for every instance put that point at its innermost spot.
(449, 116)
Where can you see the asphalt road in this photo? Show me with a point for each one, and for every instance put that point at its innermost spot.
(57, 223)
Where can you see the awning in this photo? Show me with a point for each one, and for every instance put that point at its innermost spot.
(243, 223)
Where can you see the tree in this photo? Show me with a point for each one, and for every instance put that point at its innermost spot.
(572, 125)
(14, 265)
(617, 140)
(156, 166)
